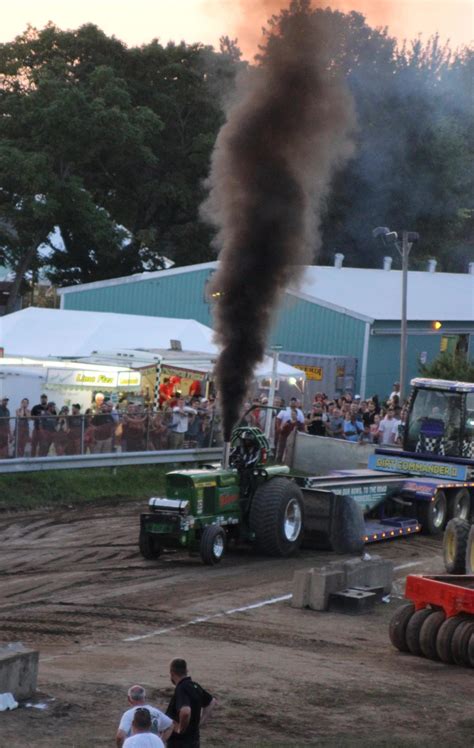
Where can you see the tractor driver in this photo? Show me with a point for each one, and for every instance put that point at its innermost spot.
(247, 453)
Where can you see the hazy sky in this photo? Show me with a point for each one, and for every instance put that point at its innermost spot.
(140, 21)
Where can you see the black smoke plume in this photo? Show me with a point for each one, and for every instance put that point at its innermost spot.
(286, 131)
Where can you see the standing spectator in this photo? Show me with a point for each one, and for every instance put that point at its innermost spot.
(5, 434)
(104, 427)
(36, 412)
(189, 708)
(335, 425)
(133, 429)
(388, 429)
(48, 423)
(142, 737)
(366, 436)
(374, 428)
(158, 431)
(352, 427)
(314, 421)
(180, 423)
(289, 425)
(22, 427)
(62, 429)
(73, 444)
(395, 392)
(160, 724)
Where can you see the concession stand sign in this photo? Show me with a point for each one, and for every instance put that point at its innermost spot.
(92, 378)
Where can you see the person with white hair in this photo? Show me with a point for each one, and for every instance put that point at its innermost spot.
(161, 725)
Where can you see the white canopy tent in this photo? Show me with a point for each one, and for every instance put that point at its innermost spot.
(61, 333)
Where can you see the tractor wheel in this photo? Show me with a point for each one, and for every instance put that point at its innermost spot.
(460, 642)
(148, 544)
(470, 552)
(433, 514)
(276, 517)
(444, 638)
(459, 504)
(413, 630)
(455, 545)
(212, 546)
(429, 632)
(470, 651)
(398, 626)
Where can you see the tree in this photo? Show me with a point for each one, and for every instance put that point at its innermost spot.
(448, 366)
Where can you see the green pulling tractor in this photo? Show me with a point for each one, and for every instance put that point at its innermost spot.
(247, 501)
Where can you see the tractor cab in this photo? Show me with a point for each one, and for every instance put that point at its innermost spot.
(440, 418)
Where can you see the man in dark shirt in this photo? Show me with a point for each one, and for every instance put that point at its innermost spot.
(36, 412)
(189, 707)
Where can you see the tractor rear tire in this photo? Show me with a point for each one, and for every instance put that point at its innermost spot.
(398, 626)
(414, 628)
(460, 642)
(470, 552)
(459, 505)
(429, 632)
(455, 546)
(277, 518)
(212, 547)
(445, 636)
(433, 514)
(149, 546)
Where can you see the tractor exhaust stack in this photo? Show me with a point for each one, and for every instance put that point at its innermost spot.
(226, 455)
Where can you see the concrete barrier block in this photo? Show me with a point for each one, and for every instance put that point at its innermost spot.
(301, 584)
(323, 582)
(18, 670)
(374, 572)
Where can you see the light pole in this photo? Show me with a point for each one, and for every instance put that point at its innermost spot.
(404, 247)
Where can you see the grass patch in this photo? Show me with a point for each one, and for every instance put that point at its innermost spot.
(60, 488)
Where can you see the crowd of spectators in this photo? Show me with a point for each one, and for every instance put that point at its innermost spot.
(195, 421)
(108, 427)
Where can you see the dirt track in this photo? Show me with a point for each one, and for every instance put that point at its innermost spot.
(75, 587)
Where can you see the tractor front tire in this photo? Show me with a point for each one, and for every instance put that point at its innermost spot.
(433, 514)
(212, 547)
(149, 546)
(455, 546)
(276, 517)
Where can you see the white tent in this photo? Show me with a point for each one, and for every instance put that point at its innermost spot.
(63, 333)
(67, 333)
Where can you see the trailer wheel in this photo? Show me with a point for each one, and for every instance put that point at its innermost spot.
(444, 638)
(429, 632)
(459, 504)
(470, 651)
(212, 547)
(460, 642)
(148, 544)
(276, 517)
(433, 514)
(398, 626)
(470, 552)
(455, 546)
(413, 630)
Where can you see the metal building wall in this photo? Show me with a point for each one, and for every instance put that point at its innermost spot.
(383, 367)
(181, 296)
(304, 327)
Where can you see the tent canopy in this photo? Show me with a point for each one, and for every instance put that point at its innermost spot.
(66, 333)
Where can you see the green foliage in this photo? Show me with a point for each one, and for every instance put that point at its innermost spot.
(112, 145)
(449, 366)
